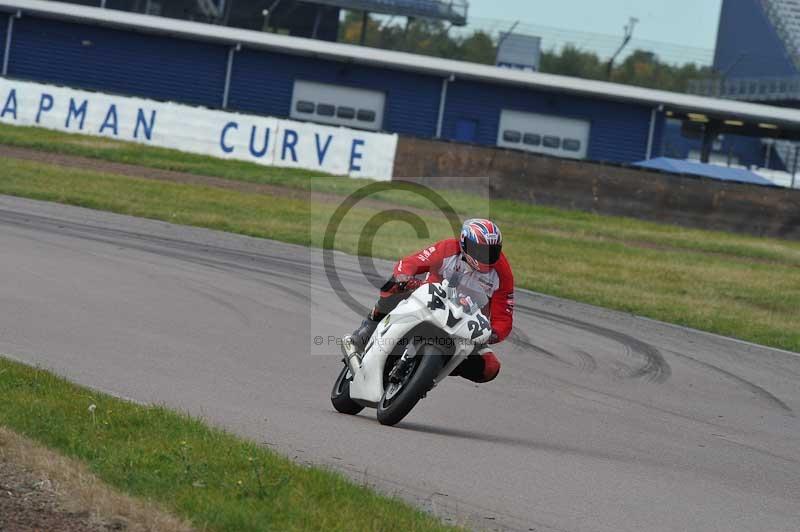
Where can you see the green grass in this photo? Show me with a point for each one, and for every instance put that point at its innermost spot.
(568, 223)
(165, 159)
(216, 480)
(730, 284)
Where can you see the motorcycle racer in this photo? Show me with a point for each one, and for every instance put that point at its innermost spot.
(484, 270)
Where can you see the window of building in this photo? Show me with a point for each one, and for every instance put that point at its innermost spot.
(326, 109)
(365, 115)
(571, 145)
(512, 136)
(345, 112)
(550, 141)
(532, 139)
(305, 107)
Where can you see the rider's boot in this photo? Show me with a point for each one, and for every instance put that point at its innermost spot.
(361, 336)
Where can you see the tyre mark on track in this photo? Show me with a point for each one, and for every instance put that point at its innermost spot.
(654, 369)
(241, 316)
(588, 364)
(113, 236)
(753, 387)
(519, 338)
(267, 267)
(585, 363)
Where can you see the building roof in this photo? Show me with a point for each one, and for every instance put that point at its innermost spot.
(445, 68)
(722, 173)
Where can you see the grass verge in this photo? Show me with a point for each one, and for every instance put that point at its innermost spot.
(734, 285)
(166, 159)
(215, 480)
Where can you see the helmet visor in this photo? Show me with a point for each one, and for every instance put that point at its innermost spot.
(483, 253)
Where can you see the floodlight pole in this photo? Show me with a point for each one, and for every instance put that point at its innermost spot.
(632, 21)
(317, 20)
(507, 34)
(364, 22)
(268, 13)
(225, 15)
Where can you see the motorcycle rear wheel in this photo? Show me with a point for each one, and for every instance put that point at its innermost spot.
(340, 395)
(391, 410)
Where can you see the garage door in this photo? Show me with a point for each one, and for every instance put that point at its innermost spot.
(548, 134)
(338, 104)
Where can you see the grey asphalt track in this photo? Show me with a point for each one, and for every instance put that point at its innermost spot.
(599, 421)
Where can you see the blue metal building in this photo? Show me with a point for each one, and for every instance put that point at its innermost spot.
(282, 76)
(755, 40)
(757, 59)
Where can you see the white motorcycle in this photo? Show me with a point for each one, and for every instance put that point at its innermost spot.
(413, 349)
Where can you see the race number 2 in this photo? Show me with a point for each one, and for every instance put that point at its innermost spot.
(478, 326)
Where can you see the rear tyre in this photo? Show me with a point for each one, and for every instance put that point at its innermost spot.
(396, 404)
(340, 395)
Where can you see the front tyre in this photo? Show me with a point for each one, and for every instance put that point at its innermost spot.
(340, 395)
(399, 398)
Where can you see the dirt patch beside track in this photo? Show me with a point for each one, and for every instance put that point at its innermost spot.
(29, 502)
(156, 174)
(42, 490)
(142, 172)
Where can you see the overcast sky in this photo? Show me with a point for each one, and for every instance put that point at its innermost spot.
(684, 22)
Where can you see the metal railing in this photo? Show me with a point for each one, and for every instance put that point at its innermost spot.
(454, 11)
(748, 89)
(788, 152)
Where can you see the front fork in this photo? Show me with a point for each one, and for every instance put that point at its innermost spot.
(396, 375)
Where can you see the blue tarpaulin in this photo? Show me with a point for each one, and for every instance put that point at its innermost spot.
(723, 173)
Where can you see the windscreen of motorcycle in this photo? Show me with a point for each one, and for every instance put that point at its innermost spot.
(476, 285)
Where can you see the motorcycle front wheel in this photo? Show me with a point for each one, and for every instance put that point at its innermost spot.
(340, 395)
(399, 398)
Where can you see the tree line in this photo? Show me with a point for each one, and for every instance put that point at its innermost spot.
(430, 37)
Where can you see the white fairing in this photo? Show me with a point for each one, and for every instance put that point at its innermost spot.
(466, 329)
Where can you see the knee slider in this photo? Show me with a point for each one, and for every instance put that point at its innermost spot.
(491, 366)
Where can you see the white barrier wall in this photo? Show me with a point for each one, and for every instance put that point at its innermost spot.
(262, 140)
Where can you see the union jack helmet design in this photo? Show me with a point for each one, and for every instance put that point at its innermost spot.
(481, 243)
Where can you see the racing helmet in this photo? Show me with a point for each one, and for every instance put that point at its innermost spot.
(481, 243)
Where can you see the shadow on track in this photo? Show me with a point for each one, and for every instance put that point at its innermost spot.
(533, 445)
